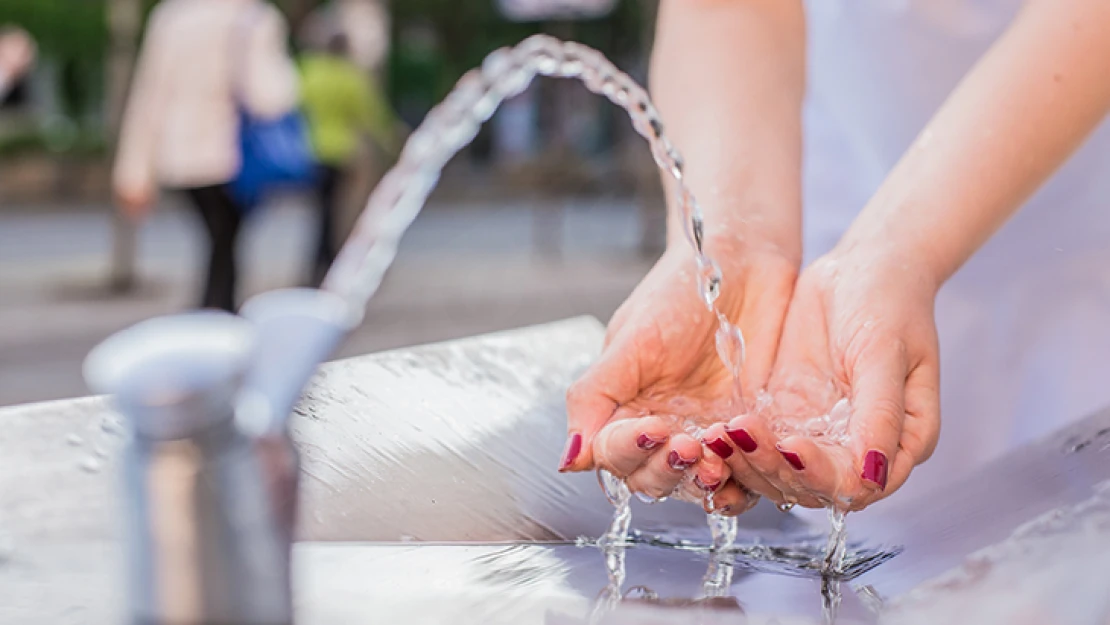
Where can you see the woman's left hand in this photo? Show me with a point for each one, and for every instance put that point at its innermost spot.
(860, 326)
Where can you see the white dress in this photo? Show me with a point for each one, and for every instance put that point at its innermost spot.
(1025, 325)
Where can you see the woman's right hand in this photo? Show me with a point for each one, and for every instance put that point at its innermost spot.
(135, 203)
(660, 368)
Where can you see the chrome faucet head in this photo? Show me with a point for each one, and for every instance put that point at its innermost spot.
(174, 376)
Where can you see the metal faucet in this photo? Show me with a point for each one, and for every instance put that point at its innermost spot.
(210, 473)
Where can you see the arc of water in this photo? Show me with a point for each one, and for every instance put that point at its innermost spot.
(453, 124)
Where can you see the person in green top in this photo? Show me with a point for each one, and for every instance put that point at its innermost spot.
(341, 104)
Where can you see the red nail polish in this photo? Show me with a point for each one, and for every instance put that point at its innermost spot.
(726, 510)
(574, 447)
(875, 468)
(794, 459)
(678, 463)
(647, 443)
(743, 440)
(720, 447)
(709, 488)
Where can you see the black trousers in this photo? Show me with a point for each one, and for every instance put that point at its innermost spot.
(329, 183)
(222, 219)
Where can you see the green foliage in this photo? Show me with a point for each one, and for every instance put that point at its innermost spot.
(466, 31)
(64, 29)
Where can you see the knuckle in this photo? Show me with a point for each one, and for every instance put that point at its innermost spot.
(887, 412)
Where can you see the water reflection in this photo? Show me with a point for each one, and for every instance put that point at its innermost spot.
(663, 599)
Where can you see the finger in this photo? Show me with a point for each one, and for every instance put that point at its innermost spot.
(591, 401)
(719, 445)
(878, 382)
(623, 446)
(706, 477)
(829, 474)
(759, 446)
(711, 471)
(731, 500)
(664, 470)
(921, 428)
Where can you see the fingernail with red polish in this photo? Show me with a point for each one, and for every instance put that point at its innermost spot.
(794, 459)
(678, 463)
(647, 443)
(720, 447)
(574, 447)
(875, 468)
(726, 510)
(743, 440)
(709, 488)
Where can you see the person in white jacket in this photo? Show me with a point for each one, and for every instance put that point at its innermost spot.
(200, 60)
(17, 53)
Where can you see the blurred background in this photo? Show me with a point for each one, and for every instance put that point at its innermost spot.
(554, 211)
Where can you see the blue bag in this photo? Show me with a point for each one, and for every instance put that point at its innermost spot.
(275, 152)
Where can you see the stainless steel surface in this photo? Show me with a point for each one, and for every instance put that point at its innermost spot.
(458, 442)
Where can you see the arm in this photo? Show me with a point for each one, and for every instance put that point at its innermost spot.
(1017, 116)
(133, 178)
(729, 79)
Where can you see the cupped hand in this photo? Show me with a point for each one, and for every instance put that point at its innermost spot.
(659, 372)
(859, 345)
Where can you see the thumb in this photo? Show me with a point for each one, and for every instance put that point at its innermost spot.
(878, 400)
(614, 379)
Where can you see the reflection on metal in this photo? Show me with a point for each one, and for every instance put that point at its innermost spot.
(427, 446)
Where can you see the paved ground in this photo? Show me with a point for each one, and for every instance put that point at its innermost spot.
(463, 269)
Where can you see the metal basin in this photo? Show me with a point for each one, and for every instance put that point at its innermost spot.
(430, 496)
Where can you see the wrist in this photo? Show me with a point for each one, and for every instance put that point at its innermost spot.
(883, 235)
(740, 233)
(887, 262)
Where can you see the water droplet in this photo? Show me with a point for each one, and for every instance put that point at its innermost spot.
(648, 499)
(90, 465)
(111, 426)
(698, 225)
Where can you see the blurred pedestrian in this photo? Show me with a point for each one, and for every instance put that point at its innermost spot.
(343, 104)
(202, 62)
(17, 53)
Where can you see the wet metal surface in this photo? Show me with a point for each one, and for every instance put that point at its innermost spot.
(408, 451)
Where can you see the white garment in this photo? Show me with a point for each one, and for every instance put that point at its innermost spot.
(181, 126)
(1025, 325)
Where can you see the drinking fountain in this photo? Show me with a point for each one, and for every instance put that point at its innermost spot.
(395, 464)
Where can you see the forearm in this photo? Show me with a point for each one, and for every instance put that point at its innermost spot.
(1017, 116)
(728, 78)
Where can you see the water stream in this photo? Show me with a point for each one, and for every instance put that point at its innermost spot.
(453, 124)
